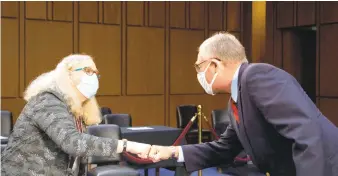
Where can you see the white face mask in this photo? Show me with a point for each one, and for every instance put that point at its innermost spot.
(203, 81)
(88, 85)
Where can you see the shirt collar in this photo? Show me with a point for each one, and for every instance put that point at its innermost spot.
(234, 85)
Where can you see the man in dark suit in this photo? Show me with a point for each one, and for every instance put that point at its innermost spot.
(274, 120)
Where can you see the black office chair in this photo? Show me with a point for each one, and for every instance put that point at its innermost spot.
(108, 166)
(220, 120)
(184, 113)
(122, 120)
(6, 125)
(105, 111)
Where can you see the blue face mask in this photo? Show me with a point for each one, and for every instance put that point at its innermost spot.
(88, 85)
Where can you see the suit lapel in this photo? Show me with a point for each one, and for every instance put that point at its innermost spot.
(239, 99)
(242, 128)
(235, 125)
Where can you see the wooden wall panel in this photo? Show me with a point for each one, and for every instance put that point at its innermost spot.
(325, 17)
(277, 49)
(183, 54)
(103, 42)
(177, 14)
(328, 106)
(63, 11)
(9, 58)
(258, 31)
(89, 12)
(36, 10)
(212, 32)
(317, 103)
(145, 61)
(156, 14)
(144, 51)
(328, 12)
(291, 55)
(247, 24)
(237, 35)
(285, 14)
(270, 28)
(207, 102)
(14, 105)
(112, 12)
(145, 110)
(197, 15)
(135, 13)
(233, 16)
(216, 15)
(306, 13)
(9, 9)
(328, 60)
(46, 44)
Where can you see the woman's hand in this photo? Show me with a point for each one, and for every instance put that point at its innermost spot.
(140, 149)
(159, 153)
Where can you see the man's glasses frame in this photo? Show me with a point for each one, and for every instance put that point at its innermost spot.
(198, 66)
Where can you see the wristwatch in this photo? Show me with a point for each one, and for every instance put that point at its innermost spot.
(124, 145)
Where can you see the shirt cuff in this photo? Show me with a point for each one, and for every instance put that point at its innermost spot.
(180, 155)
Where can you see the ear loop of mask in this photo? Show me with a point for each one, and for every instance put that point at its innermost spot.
(205, 70)
(213, 80)
(70, 76)
(214, 77)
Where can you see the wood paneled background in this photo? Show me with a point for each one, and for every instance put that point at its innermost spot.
(145, 51)
(283, 49)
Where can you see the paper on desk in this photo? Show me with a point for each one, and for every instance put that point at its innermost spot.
(140, 128)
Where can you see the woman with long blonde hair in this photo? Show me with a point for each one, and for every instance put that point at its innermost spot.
(48, 131)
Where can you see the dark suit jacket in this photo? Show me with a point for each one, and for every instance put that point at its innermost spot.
(280, 128)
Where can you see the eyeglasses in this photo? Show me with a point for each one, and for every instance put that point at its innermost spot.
(89, 71)
(198, 66)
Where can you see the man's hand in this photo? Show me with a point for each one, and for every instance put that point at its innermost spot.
(140, 149)
(159, 153)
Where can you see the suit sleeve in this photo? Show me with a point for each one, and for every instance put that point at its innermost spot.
(52, 117)
(223, 151)
(285, 105)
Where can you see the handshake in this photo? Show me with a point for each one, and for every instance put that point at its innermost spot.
(153, 152)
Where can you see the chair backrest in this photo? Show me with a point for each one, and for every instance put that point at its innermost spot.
(220, 120)
(105, 111)
(122, 120)
(6, 123)
(107, 131)
(184, 113)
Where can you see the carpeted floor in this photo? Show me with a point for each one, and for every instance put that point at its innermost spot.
(164, 172)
